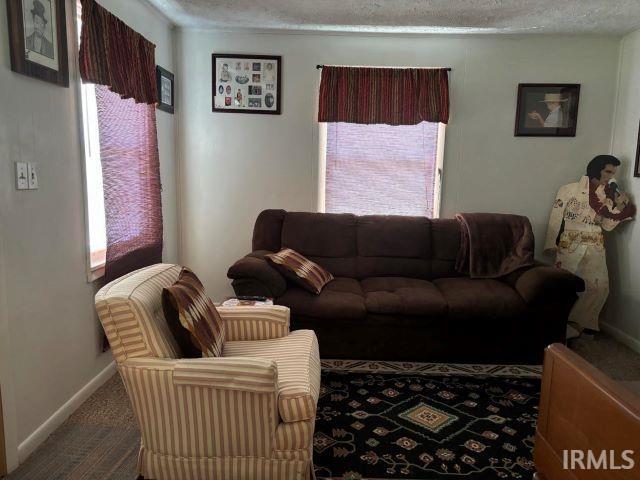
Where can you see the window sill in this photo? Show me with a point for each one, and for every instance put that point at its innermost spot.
(96, 261)
(96, 273)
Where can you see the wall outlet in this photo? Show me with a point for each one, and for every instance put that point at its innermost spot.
(22, 176)
(33, 176)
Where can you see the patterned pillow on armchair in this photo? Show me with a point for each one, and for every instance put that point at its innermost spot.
(192, 317)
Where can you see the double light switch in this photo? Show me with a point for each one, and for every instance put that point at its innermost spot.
(26, 176)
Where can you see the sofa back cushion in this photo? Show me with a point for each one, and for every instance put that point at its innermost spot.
(394, 236)
(391, 245)
(320, 234)
(364, 246)
(445, 243)
(267, 231)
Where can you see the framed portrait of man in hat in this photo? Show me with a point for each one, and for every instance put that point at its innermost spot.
(38, 39)
(547, 110)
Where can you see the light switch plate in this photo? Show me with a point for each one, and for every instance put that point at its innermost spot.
(22, 176)
(33, 176)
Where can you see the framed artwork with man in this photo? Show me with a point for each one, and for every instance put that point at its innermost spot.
(547, 110)
(38, 39)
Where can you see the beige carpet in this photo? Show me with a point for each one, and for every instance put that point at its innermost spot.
(100, 440)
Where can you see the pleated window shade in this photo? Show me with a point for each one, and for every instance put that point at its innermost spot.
(381, 169)
(131, 180)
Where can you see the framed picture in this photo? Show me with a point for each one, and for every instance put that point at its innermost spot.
(38, 39)
(547, 110)
(164, 78)
(636, 169)
(246, 83)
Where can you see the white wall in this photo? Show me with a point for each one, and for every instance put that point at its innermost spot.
(50, 333)
(235, 165)
(623, 244)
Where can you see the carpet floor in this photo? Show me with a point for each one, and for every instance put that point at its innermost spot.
(100, 440)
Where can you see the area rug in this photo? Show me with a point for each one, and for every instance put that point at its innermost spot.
(388, 420)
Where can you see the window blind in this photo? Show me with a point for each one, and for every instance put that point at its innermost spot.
(381, 169)
(131, 179)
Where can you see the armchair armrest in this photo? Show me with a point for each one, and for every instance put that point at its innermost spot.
(543, 280)
(204, 407)
(255, 323)
(243, 374)
(254, 267)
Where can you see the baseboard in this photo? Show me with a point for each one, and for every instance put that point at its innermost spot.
(34, 440)
(622, 337)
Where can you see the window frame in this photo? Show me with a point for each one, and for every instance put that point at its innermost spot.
(322, 169)
(95, 260)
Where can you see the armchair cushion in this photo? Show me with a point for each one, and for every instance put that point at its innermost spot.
(186, 304)
(298, 361)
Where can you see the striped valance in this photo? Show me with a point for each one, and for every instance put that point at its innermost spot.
(394, 96)
(115, 55)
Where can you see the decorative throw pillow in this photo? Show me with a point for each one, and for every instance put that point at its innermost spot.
(192, 317)
(300, 270)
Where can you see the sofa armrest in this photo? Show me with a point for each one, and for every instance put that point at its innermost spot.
(255, 267)
(542, 281)
(255, 323)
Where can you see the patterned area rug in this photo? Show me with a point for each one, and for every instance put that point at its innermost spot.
(382, 420)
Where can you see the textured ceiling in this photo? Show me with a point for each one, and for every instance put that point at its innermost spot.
(410, 16)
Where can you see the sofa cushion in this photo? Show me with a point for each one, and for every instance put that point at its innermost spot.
(393, 236)
(340, 298)
(480, 298)
(267, 232)
(445, 243)
(320, 234)
(298, 363)
(399, 295)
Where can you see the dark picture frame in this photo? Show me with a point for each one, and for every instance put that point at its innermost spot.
(636, 169)
(547, 110)
(38, 39)
(165, 79)
(243, 83)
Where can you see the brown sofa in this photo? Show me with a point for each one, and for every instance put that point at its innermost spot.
(397, 295)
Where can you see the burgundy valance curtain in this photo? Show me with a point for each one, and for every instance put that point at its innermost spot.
(393, 96)
(115, 55)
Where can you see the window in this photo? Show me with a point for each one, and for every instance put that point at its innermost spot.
(382, 169)
(122, 166)
(95, 217)
(97, 236)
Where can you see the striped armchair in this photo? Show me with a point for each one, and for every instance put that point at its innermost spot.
(248, 415)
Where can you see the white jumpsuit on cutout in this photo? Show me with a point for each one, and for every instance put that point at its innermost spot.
(580, 247)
